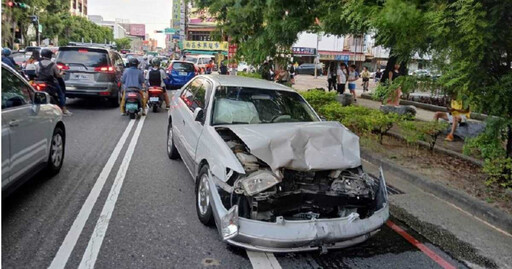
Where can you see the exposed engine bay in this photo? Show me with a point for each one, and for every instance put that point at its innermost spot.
(263, 194)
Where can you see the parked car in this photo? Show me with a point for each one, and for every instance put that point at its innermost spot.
(179, 73)
(201, 61)
(33, 134)
(421, 73)
(244, 67)
(92, 72)
(257, 153)
(309, 69)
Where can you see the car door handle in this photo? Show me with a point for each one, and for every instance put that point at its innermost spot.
(14, 123)
(183, 122)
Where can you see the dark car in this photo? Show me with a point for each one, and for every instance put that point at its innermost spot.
(91, 72)
(179, 73)
(308, 69)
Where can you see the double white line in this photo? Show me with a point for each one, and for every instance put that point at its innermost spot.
(93, 248)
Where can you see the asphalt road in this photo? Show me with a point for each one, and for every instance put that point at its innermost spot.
(144, 215)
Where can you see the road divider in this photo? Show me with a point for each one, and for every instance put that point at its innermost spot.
(96, 240)
(62, 256)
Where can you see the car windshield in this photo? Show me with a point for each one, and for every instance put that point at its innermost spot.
(240, 105)
(185, 67)
(192, 60)
(83, 57)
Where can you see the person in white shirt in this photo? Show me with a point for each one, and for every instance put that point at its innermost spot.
(341, 78)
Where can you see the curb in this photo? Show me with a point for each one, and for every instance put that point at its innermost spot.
(441, 150)
(458, 198)
(429, 107)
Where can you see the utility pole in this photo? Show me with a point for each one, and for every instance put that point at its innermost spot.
(317, 56)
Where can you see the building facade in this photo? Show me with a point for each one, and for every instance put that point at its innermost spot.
(78, 7)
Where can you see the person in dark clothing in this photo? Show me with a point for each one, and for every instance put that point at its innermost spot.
(392, 76)
(7, 59)
(223, 70)
(155, 78)
(47, 71)
(332, 76)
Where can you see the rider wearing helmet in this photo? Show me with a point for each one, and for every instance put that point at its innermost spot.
(133, 78)
(47, 71)
(155, 78)
(144, 64)
(7, 59)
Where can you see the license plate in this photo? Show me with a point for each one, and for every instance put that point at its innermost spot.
(132, 106)
(182, 73)
(81, 76)
(153, 99)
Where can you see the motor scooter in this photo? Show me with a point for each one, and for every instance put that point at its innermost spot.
(42, 86)
(155, 98)
(133, 102)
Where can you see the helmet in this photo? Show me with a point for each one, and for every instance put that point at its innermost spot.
(6, 52)
(145, 57)
(46, 53)
(133, 61)
(155, 62)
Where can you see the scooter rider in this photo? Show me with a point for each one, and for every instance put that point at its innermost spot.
(47, 71)
(133, 78)
(155, 78)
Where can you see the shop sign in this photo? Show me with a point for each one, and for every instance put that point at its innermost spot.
(303, 51)
(205, 45)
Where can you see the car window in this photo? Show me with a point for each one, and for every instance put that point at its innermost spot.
(84, 57)
(118, 60)
(240, 105)
(184, 67)
(14, 91)
(192, 60)
(194, 94)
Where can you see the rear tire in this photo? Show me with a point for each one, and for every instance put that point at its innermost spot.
(132, 116)
(57, 150)
(155, 108)
(203, 204)
(172, 152)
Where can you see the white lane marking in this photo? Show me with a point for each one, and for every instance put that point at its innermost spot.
(263, 260)
(62, 256)
(93, 248)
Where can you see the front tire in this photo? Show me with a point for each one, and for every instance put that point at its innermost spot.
(57, 150)
(203, 204)
(172, 152)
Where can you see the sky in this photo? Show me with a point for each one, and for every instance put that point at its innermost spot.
(156, 14)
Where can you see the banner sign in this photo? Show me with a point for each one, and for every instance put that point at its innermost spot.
(205, 45)
(176, 14)
(303, 51)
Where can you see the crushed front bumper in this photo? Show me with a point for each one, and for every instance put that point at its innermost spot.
(301, 235)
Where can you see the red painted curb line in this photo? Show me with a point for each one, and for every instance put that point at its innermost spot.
(431, 254)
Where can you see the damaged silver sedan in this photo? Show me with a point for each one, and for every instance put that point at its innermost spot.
(268, 172)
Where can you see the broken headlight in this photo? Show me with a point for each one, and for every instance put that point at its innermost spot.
(258, 182)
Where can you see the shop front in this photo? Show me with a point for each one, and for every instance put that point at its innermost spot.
(303, 55)
(349, 58)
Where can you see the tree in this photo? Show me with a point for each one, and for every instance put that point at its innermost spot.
(123, 43)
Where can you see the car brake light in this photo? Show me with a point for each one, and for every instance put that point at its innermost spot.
(105, 69)
(83, 50)
(39, 86)
(131, 94)
(63, 67)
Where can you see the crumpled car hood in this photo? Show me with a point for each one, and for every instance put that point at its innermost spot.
(301, 146)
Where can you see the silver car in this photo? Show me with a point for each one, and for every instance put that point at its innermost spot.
(33, 134)
(268, 172)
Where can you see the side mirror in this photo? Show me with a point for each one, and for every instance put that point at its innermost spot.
(198, 114)
(41, 98)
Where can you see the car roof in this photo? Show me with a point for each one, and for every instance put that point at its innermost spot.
(239, 81)
(83, 47)
(180, 61)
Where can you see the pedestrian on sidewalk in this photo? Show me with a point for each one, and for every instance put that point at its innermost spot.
(378, 75)
(341, 77)
(458, 113)
(291, 71)
(366, 78)
(353, 76)
(392, 75)
(331, 76)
